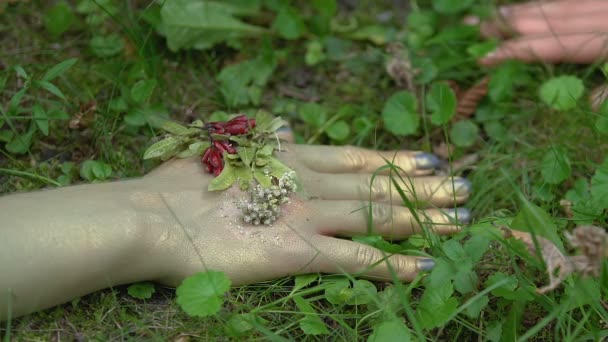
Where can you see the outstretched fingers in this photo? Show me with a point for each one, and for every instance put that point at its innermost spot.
(433, 190)
(352, 218)
(575, 48)
(350, 159)
(343, 256)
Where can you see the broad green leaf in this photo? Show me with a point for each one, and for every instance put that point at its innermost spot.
(437, 305)
(339, 292)
(599, 185)
(479, 50)
(107, 46)
(313, 114)
(535, 220)
(363, 292)
(225, 179)
(58, 69)
(142, 90)
(314, 53)
(51, 88)
(175, 128)
(195, 149)
(441, 101)
(202, 294)
(464, 133)
(136, 117)
(266, 150)
(451, 6)
(41, 119)
(237, 79)
(200, 24)
(142, 290)
(362, 125)
(465, 281)
(288, 23)
(273, 125)
(510, 290)
(496, 130)
(377, 34)
(101, 170)
(326, 7)
(454, 250)
(92, 170)
(393, 330)
(264, 180)
(303, 280)
(400, 114)
(6, 135)
(247, 154)
(162, 147)
(311, 324)
(13, 105)
(239, 325)
(476, 247)
(21, 72)
(277, 168)
(339, 130)
(563, 92)
(474, 309)
(505, 78)
(58, 19)
(555, 166)
(21, 143)
(244, 176)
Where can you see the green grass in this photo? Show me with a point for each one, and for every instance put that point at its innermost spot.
(187, 88)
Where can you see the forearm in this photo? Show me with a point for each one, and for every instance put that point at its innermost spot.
(60, 244)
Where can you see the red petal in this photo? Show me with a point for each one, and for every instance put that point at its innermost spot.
(206, 155)
(240, 118)
(228, 147)
(237, 128)
(252, 123)
(219, 146)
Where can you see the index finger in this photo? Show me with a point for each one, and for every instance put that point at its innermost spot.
(573, 48)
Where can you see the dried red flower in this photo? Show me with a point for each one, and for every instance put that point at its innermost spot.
(212, 158)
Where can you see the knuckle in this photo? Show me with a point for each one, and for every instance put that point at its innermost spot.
(381, 216)
(379, 189)
(365, 256)
(354, 158)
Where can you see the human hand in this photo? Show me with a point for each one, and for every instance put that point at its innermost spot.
(201, 230)
(574, 31)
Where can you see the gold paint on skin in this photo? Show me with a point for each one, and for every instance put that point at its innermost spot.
(166, 226)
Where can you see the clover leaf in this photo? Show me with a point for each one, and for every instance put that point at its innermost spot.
(142, 290)
(400, 114)
(563, 92)
(202, 294)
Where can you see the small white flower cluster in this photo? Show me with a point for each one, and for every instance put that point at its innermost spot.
(264, 207)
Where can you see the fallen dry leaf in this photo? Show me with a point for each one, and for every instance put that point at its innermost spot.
(590, 240)
(399, 67)
(469, 99)
(598, 95)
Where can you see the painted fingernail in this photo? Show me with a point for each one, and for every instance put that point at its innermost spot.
(426, 161)
(463, 215)
(461, 186)
(471, 20)
(425, 264)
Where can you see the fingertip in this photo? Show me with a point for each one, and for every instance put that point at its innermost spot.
(425, 264)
